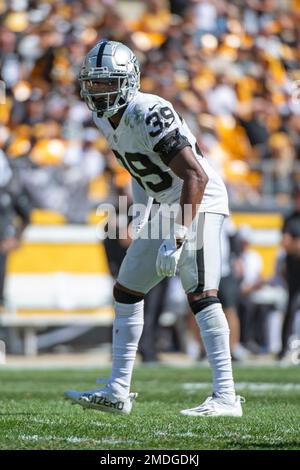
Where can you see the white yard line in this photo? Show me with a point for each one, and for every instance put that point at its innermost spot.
(74, 439)
(251, 386)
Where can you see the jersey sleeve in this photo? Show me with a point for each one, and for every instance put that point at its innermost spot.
(163, 130)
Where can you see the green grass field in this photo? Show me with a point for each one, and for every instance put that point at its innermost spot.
(34, 414)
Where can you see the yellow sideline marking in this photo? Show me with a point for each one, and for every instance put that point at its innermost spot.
(80, 311)
(255, 219)
(268, 254)
(47, 258)
(258, 220)
(34, 258)
(262, 221)
(43, 217)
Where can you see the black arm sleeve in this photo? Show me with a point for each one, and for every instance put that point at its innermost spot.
(170, 145)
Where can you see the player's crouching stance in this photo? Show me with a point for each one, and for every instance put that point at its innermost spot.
(156, 146)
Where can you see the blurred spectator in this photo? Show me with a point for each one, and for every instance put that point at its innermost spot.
(229, 288)
(178, 7)
(235, 60)
(274, 297)
(291, 245)
(15, 210)
(248, 268)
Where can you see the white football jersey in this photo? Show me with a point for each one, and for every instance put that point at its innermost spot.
(145, 122)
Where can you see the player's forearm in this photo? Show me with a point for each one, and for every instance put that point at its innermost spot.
(188, 168)
(191, 196)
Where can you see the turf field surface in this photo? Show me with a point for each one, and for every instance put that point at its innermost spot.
(34, 414)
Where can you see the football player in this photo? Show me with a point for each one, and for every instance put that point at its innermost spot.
(153, 142)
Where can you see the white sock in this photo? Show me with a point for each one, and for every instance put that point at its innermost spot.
(215, 335)
(127, 330)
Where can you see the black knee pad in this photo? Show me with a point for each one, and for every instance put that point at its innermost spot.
(201, 304)
(126, 297)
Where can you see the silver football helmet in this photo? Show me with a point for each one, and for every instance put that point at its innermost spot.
(109, 77)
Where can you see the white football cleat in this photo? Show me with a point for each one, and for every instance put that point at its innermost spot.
(214, 406)
(102, 400)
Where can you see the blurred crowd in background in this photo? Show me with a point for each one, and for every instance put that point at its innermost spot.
(229, 67)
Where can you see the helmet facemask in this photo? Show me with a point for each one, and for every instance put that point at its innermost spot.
(107, 89)
(105, 95)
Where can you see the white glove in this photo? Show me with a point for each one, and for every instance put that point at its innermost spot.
(170, 251)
